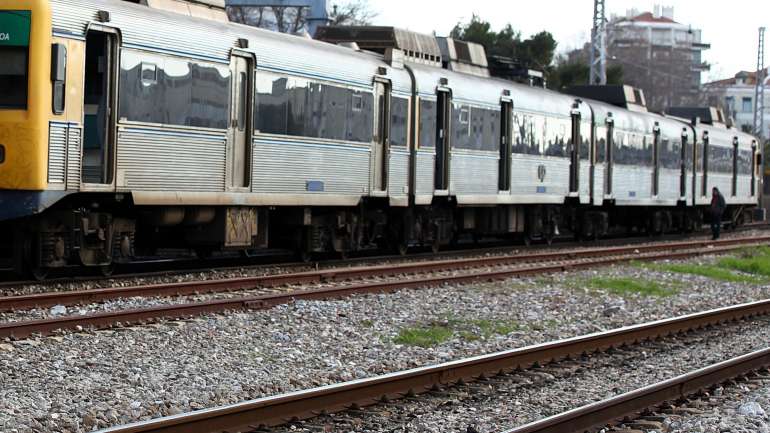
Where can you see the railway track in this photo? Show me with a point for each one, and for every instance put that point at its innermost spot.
(284, 288)
(280, 409)
(626, 407)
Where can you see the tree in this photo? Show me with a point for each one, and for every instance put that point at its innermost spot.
(535, 53)
(575, 73)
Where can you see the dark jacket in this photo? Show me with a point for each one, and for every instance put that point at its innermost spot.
(718, 205)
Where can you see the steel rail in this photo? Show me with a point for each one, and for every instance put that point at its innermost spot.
(17, 302)
(22, 329)
(629, 405)
(277, 410)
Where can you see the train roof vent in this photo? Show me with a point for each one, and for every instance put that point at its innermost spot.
(465, 57)
(709, 115)
(416, 47)
(209, 9)
(619, 95)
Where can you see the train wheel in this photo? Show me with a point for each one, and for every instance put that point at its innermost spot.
(107, 270)
(549, 238)
(402, 248)
(39, 273)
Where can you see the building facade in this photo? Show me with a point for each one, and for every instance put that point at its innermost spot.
(658, 55)
(736, 96)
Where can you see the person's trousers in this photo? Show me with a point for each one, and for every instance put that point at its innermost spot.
(716, 226)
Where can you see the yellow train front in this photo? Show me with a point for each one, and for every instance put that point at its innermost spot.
(55, 105)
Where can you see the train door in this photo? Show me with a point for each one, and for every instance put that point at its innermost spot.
(734, 183)
(506, 136)
(99, 98)
(608, 156)
(444, 107)
(705, 165)
(380, 153)
(239, 150)
(574, 154)
(683, 165)
(656, 160)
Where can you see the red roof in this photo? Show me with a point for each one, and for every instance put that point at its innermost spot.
(648, 17)
(750, 78)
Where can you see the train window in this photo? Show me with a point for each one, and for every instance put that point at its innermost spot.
(720, 159)
(744, 162)
(360, 123)
(185, 93)
(427, 123)
(272, 103)
(585, 136)
(476, 128)
(302, 100)
(149, 73)
(556, 139)
(490, 135)
(399, 121)
(601, 143)
(13, 77)
(304, 108)
(243, 87)
(14, 50)
(58, 77)
(461, 127)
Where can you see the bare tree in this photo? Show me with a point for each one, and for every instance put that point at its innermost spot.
(352, 13)
(294, 19)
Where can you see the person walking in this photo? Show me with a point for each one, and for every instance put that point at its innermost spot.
(717, 209)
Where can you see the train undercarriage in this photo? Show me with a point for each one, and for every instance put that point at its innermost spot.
(107, 231)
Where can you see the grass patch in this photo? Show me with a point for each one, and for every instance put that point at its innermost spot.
(628, 286)
(434, 334)
(755, 261)
(424, 337)
(748, 265)
(709, 271)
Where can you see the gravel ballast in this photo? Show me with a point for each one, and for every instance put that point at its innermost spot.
(80, 381)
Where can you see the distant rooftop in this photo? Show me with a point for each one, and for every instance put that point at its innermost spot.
(748, 78)
(648, 17)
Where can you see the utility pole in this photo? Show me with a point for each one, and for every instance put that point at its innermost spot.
(759, 91)
(598, 74)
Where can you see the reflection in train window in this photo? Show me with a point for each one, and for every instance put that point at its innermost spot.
(301, 107)
(184, 93)
(427, 123)
(399, 121)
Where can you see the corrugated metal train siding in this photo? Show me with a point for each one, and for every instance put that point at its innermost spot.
(398, 173)
(57, 153)
(524, 176)
(287, 167)
(630, 182)
(74, 157)
(474, 174)
(424, 176)
(161, 160)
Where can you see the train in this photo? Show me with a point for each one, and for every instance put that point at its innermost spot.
(125, 130)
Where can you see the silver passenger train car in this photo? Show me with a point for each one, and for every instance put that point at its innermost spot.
(156, 129)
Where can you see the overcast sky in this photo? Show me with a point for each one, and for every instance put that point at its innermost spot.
(730, 27)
